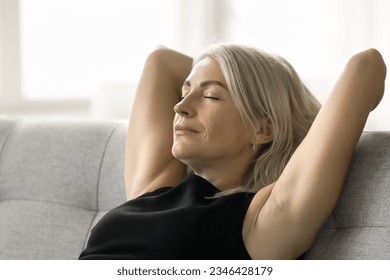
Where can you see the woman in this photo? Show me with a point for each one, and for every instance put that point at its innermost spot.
(268, 169)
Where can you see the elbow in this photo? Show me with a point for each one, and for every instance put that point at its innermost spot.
(372, 71)
(371, 61)
(370, 57)
(379, 71)
(377, 63)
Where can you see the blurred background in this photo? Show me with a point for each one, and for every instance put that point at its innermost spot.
(83, 58)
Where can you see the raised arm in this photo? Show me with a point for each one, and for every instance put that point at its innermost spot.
(308, 189)
(149, 162)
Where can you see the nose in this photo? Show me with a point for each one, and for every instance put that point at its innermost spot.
(185, 108)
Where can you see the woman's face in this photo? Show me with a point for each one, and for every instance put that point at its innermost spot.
(208, 130)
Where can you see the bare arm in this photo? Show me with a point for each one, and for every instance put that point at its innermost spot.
(307, 191)
(149, 163)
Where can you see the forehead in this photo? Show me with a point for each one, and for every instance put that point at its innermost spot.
(207, 69)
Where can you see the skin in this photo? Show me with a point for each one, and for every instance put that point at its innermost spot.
(209, 135)
(284, 217)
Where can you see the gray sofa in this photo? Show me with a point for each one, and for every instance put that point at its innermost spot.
(57, 179)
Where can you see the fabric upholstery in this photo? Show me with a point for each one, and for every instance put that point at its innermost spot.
(58, 178)
(359, 227)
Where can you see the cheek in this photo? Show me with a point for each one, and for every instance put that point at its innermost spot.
(228, 131)
(217, 131)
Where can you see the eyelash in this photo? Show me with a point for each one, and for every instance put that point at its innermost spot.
(212, 97)
(208, 97)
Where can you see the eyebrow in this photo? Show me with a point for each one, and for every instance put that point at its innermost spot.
(207, 83)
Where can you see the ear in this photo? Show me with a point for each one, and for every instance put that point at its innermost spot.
(264, 132)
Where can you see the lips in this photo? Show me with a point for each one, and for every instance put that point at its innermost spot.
(180, 128)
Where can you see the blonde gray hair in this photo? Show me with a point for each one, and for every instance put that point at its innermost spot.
(266, 90)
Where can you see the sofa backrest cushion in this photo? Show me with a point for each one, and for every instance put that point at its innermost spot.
(359, 227)
(56, 180)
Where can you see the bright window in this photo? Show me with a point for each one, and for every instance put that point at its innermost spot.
(317, 37)
(70, 47)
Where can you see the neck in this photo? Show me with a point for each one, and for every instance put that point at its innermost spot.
(222, 176)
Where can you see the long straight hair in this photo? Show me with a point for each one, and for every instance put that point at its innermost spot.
(266, 90)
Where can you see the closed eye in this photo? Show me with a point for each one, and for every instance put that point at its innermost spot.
(212, 97)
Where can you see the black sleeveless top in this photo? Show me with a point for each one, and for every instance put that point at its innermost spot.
(180, 222)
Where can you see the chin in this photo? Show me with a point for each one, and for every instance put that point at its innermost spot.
(185, 156)
(181, 156)
(180, 153)
(181, 150)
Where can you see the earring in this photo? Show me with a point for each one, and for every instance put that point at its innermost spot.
(254, 145)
